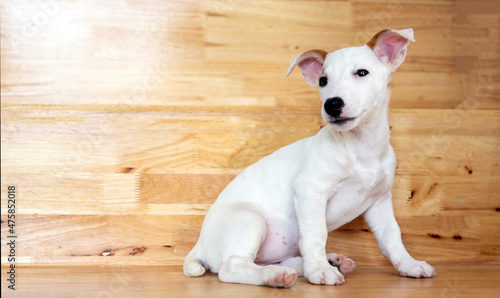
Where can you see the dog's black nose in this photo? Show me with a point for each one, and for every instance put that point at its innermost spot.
(333, 106)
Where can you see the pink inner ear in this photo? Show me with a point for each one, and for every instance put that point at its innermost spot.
(311, 68)
(394, 48)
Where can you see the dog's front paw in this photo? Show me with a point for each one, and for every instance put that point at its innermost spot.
(416, 269)
(324, 275)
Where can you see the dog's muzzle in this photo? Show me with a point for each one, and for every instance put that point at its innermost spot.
(333, 107)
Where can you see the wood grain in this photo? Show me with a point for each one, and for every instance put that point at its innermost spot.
(122, 121)
(161, 281)
(149, 182)
(225, 52)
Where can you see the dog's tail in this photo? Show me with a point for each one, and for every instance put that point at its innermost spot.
(192, 264)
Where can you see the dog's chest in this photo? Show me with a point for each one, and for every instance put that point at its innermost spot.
(356, 193)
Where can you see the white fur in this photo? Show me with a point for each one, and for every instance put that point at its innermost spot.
(285, 204)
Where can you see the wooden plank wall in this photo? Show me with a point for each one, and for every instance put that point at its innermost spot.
(123, 120)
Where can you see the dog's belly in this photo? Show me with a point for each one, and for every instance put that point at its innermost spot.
(281, 243)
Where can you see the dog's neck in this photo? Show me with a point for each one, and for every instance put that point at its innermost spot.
(370, 139)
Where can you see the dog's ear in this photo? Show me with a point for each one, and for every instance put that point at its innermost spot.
(390, 46)
(310, 64)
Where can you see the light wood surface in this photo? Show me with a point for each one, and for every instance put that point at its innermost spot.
(236, 52)
(122, 121)
(137, 178)
(157, 281)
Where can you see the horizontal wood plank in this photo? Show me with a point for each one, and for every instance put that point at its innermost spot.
(236, 52)
(147, 177)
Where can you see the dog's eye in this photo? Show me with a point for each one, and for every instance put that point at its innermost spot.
(361, 72)
(323, 81)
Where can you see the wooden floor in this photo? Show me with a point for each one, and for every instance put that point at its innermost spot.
(169, 281)
(122, 121)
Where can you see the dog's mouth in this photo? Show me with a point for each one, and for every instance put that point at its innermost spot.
(341, 121)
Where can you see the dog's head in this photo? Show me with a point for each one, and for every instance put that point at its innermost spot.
(353, 81)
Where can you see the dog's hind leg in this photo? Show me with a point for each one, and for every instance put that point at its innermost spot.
(238, 269)
(240, 234)
(297, 263)
(192, 265)
(345, 265)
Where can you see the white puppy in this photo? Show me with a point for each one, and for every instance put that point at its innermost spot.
(285, 204)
